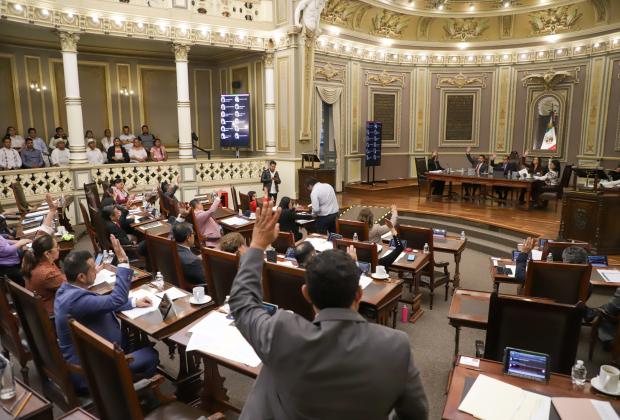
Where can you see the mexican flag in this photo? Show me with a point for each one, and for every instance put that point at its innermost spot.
(550, 140)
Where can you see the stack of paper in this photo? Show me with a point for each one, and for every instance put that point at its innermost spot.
(106, 276)
(236, 221)
(138, 312)
(173, 293)
(611, 276)
(320, 244)
(387, 236)
(217, 335)
(152, 225)
(31, 230)
(513, 268)
(285, 263)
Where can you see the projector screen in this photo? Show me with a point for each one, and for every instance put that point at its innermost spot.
(235, 120)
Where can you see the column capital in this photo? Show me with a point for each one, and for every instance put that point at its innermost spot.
(180, 51)
(68, 41)
(268, 58)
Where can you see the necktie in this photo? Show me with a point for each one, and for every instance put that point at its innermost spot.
(478, 169)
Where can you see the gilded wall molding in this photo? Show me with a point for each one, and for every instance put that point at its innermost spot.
(384, 78)
(506, 24)
(329, 72)
(344, 13)
(461, 80)
(550, 78)
(389, 24)
(465, 29)
(554, 20)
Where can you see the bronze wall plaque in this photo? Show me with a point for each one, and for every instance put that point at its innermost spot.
(384, 110)
(460, 117)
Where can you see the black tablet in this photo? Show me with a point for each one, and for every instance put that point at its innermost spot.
(526, 364)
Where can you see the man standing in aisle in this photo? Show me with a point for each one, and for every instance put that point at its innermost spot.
(324, 205)
(271, 181)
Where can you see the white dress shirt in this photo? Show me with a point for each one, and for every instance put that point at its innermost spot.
(127, 140)
(17, 142)
(135, 154)
(10, 159)
(106, 142)
(94, 156)
(323, 199)
(60, 157)
(273, 183)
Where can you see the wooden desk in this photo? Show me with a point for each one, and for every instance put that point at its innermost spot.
(492, 181)
(245, 230)
(37, 407)
(153, 325)
(597, 280)
(139, 278)
(153, 227)
(558, 386)
(452, 245)
(469, 309)
(415, 267)
(77, 414)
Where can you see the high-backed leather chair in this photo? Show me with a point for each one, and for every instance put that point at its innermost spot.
(347, 228)
(12, 342)
(282, 287)
(534, 324)
(416, 237)
(110, 381)
(557, 248)
(284, 241)
(564, 283)
(164, 258)
(559, 190)
(92, 195)
(235, 201)
(366, 251)
(244, 202)
(422, 170)
(220, 271)
(52, 368)
(20, 198)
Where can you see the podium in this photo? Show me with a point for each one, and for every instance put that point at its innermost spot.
(592, 216)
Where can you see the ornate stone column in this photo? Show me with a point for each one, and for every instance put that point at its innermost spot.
(73, 101)
(270, 106)
(309, 37)
(183, 103)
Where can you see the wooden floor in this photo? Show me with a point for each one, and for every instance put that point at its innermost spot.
(392, 184)
(543, 223)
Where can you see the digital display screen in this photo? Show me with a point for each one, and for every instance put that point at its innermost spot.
(598, 260)
(526, 364)
(235, 120)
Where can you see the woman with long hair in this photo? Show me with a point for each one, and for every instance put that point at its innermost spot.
(375, 231)
(288, 217)
(546, 182)
(117, 153)
(42, 275)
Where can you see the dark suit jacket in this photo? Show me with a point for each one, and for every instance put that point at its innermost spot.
(110, 154)
(118, 232)
(333, 359)
(509, 166)
(434, 165)
(474, 163)
(193, 269)
(287, 221)
(521, 267)
(265, 178)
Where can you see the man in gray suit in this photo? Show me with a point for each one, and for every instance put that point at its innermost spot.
(337, 367)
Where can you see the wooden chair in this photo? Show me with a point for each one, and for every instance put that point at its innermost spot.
(110, 381)
(92, 195)
(564, 283)
(557, 248)
(416, 237)
(103, 237)
(220, 270)
(558, 192)
(164, 258)
(282, 287)
(20, 198)
(347, 228)
(283, 242)
(366, 251)
(536, 325)
(199, 240)
(235, 201)
(90, 229)
(422, 170)
(12, 342)
(53, 370)
(163, 204)
(244, 202)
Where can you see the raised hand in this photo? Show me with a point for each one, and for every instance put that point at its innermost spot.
(352, 253)
(393, 208)
(50, 202)
(266, 227)
(493, 156)
(468, 151)
(529, 244)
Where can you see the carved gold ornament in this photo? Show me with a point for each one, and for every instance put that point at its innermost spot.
(384, 79)
(465, 29)
(389, 24)
(460, 81)
(549, 79)
(328, 72)
(555, 20)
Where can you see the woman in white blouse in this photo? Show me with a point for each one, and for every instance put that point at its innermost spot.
(375, 230)
(94, 155)
(546, 182)
(138, 152)
(107, 140)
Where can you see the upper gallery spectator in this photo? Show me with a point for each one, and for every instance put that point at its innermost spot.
(9, 157)
(93, 154)
(107, 140)
(31, 157)
(146, 137)
(60, 155)
(117, 152)
(158, 151)
(88, 136)
(40, 145)
(138, 153)
(60, 134)
(127, 138)
(17, 141)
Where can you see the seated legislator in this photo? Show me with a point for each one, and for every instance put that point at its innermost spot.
(121, 195)
(158, 151)
(233, 242)
(93, 154)
(11, 250)
(117, 153)
(60, 156)
(209, 228)
(480, 166)
(74, 300)
(547, 182)
(115, 224)
(303, 253)
(288, 218)
(9, 157)
(434, 165)
(571, 255)
(334, 358)
(138, 152)
(253, 203)
(193, 269)
(535, 167)
(31, 157)
(375, 230)
(506, 166)
(170, 188)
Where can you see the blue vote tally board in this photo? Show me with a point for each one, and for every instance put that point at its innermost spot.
(234, 115)
(373, 143)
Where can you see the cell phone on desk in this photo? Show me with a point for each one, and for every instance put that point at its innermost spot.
(99, 259)
(598, 260)
(410, 257)
(526, 364)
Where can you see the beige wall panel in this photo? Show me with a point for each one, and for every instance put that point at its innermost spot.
(158, 98)
(95, 102)
(612, 131)
(36, 100)
(8, 83)
(258, 113)
(124, 103)
(240, 75)
(421, 105)
(203, 114)
(356, 123)
(283, 98)
(502, 114)
(592, 120)
(58, 80)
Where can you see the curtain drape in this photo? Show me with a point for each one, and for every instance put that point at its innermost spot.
(331, 96)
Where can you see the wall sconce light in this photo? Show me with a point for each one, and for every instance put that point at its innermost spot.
(36, 87)
(125, 92)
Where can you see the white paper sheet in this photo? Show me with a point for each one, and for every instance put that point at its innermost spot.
(387, 236)
(536, 255)
(401, 256)
(236, 221)
(138, 312)
(217, 335)
(36, 214)
(105, 275)
(27, 221)
(151, 225)
(605, 410)
(320, 244)
(523, 173)
(303, 221)
(31, 230)
(386, 253)
(490, 399)
(286, 263)
(610, 276)
(365, 281)
(173, 293)
(513, 268)
(135, 211)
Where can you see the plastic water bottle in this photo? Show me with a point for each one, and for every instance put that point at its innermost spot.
(578, 374)
(111, 256)
(355, 237)
(7, 382)
(104, 260)
(462, 235)
(405, 314)
(550, 257)
(159, 281)
(426, 248)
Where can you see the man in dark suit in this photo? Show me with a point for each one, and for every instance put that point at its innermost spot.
(434, 165)
(333, 358)
(271, 181)
(193, 269)
(114, 221)
(480, 166)
(73, 299)
(504, 168)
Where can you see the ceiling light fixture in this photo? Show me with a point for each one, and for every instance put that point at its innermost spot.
(18, 7)
(552, 38)
(118, 20)
(470, 58)
(125, 92)
(45, 12)
(472, 7)
(541, 53)
(36, 87)
(506, 4)
(615, 41)
(463, 45)
(423, 58)
(334, 30)
(505, 56)
(560, 51)
(162, 27)
(489, 57)
(597, 44)
(140, 25)
(95, 19)
(387, 42)
(205, 31)
(70, 15)
(577, 49)
(523, 56)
